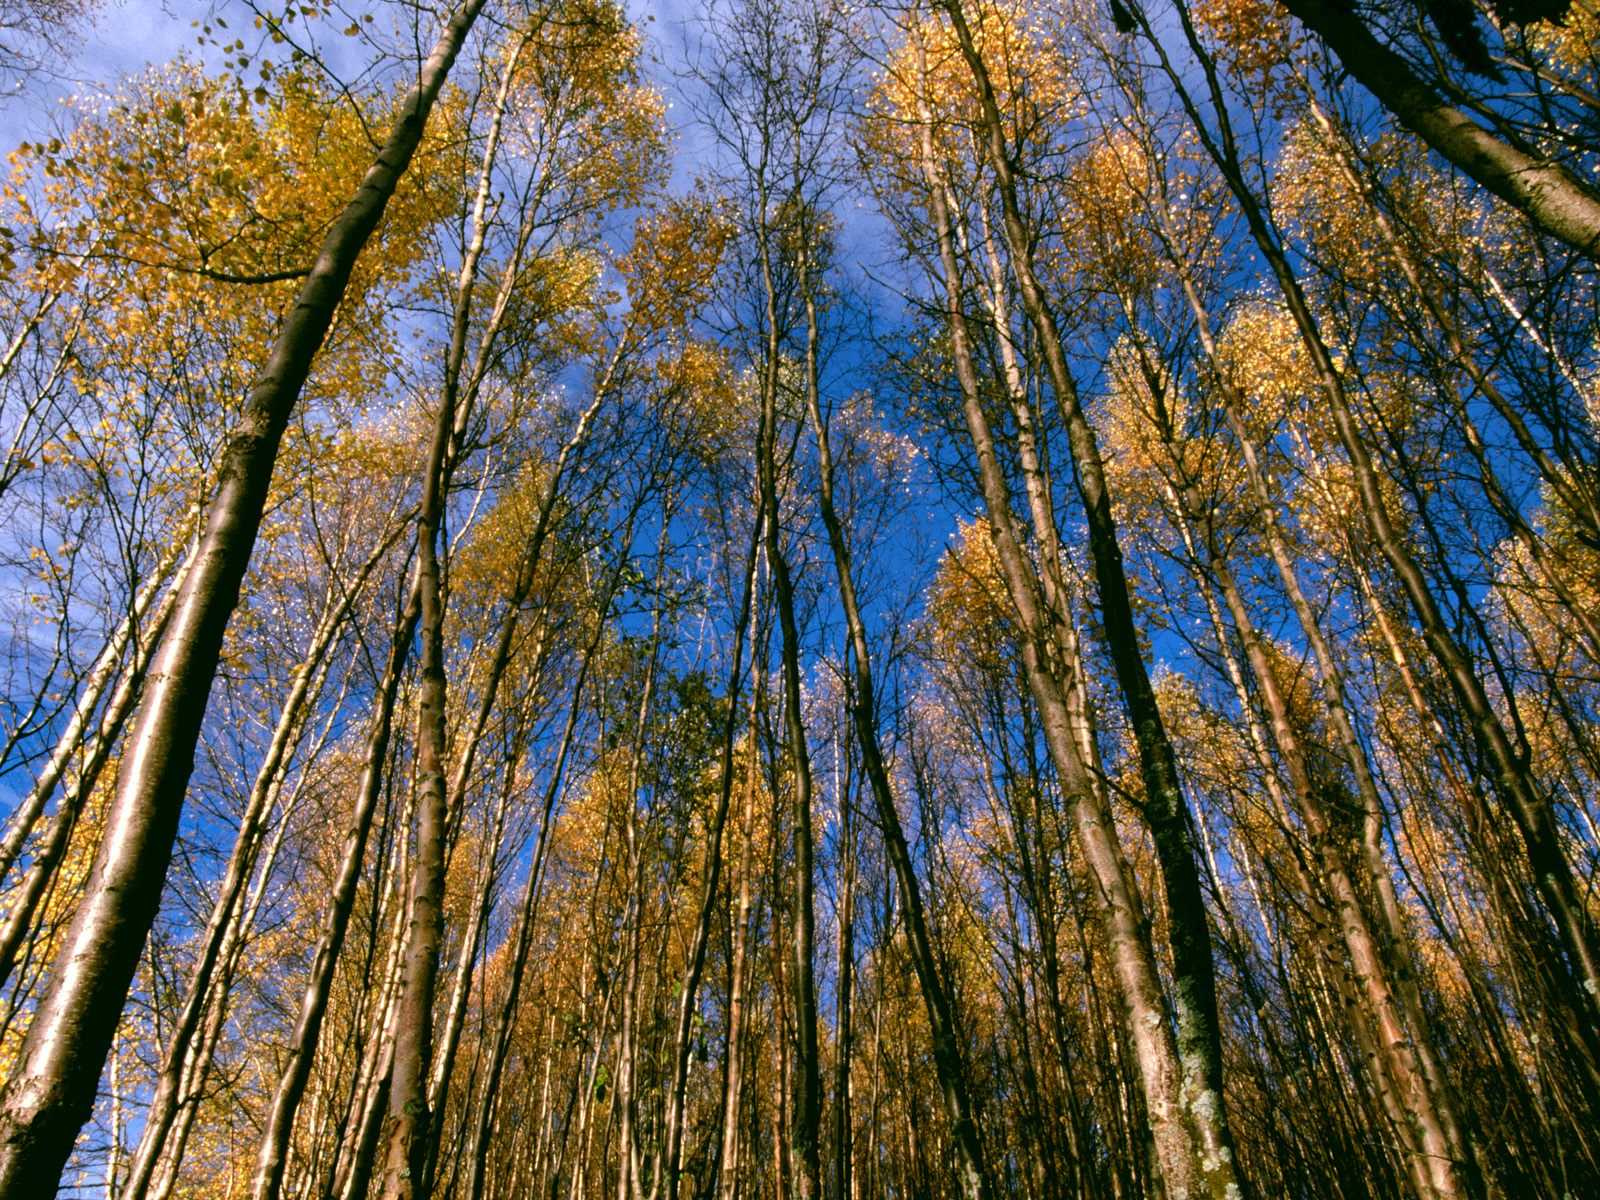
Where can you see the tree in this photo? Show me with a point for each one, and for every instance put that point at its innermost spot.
(49, 1095)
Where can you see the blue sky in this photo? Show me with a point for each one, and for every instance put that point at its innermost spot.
(123, 37)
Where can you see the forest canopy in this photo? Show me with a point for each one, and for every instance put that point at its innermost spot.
(800, 598)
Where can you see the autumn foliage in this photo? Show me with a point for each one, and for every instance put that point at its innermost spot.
(983, 598)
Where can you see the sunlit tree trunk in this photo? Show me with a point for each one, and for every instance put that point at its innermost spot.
(51, 1091)
(729, 1167)
(1551, 197)
(1160, 1071)
(807, 1110)
(844, 985)
(1165, 809)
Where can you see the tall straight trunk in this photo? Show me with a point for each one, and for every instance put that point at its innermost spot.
(807, 1110)
(955, 1091)
(626, 1101)
(412, 1127)
(523, 583)
(782, 1043)
(409, 1121)
(1186, 1164)
(586, 1123)
(1552, 198)
(51, 1090)
(409, 1124)
(873, 1183)
(472, 941)
(665, 1183)
(728, 1166)
(1164, 808)
(1037, 878)
(844, 999)
(273, 1152)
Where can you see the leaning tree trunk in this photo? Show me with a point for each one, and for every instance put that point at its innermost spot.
(1577, 966)
(1176, 1141)
(51, 1092)
(1551, 197)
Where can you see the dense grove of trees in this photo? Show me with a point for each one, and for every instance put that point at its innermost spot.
(947, 598)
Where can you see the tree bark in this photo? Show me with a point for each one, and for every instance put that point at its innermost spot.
(806, 1113)
(51, 1091)
(1177, 1143)
(954, 1087)
(1165, 809)
(1552, 198)
(1513, 777)
(272, 1155)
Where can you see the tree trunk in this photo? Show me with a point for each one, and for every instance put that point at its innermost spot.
(271, 1158)
(806, 1112)
(1553, 199)
(677, 1082)
(954, 1088)
(1177, 1143)
(1513, 779)
(739, 982)
(51, 1091)
(1165, 809)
